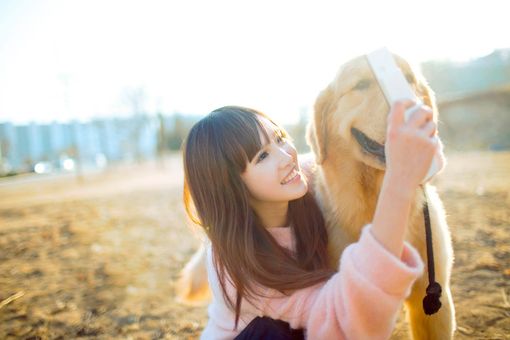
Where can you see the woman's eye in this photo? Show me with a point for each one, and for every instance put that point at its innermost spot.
(262, 155)
(280, 138)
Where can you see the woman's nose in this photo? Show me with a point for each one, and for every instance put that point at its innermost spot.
(287, 155)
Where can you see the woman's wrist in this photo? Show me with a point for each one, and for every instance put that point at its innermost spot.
(399, 186)
(391, 216)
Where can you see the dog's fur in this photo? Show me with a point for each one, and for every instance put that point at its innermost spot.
(349, 176)
(346, 134)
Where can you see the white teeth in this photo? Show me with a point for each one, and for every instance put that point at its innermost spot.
(290, 176)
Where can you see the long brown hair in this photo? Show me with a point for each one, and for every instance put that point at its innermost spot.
(216, 153)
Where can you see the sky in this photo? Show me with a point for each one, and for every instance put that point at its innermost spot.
(66, 60)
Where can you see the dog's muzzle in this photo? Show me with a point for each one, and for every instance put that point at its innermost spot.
(369, 146)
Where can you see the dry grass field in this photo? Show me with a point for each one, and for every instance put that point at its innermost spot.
(97, 257)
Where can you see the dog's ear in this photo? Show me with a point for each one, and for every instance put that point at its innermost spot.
(427, 94)
(317, 129)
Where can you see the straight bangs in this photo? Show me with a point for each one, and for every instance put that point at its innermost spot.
(240, 133)
(237, 134)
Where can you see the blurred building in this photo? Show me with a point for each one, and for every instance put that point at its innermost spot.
(448, 78)
(67, 146)
(89, 145)
(477, 121)
(473, 100)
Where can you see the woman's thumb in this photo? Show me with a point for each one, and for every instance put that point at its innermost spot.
(397, 114)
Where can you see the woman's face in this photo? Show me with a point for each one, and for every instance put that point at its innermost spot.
(274, 175)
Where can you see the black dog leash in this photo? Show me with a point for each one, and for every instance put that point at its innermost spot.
(431, 302)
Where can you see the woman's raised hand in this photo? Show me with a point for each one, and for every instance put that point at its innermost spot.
(410, 145)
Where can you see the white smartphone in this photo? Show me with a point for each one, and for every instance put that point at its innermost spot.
(395, 87)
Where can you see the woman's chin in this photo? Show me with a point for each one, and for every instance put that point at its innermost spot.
(299, 190)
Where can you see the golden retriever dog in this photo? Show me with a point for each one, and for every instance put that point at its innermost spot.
(347, 136)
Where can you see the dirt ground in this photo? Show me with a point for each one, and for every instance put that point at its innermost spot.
(96, 257)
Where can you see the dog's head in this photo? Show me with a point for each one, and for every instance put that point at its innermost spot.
(352, 111)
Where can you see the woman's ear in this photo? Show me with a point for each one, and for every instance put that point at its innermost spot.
(316, 134)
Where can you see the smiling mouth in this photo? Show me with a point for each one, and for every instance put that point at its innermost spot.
(369, 145)
(293, 174)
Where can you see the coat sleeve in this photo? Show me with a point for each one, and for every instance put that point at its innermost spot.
(361, 301)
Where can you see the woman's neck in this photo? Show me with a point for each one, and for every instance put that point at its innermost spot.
(272, 214)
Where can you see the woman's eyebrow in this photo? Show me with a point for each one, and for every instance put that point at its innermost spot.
(276, 133)
(266, 139)
(268, 136)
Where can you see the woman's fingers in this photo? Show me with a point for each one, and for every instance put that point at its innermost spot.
(396, 116)
(420, 117)
(429, 129)
(420, 122)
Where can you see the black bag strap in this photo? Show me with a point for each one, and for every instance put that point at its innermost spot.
(431, 302)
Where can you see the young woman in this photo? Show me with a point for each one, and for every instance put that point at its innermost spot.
(267, 256)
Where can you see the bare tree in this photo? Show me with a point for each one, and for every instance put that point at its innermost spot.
(135, 100)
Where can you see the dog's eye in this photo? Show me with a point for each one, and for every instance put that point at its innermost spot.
(362, 85)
